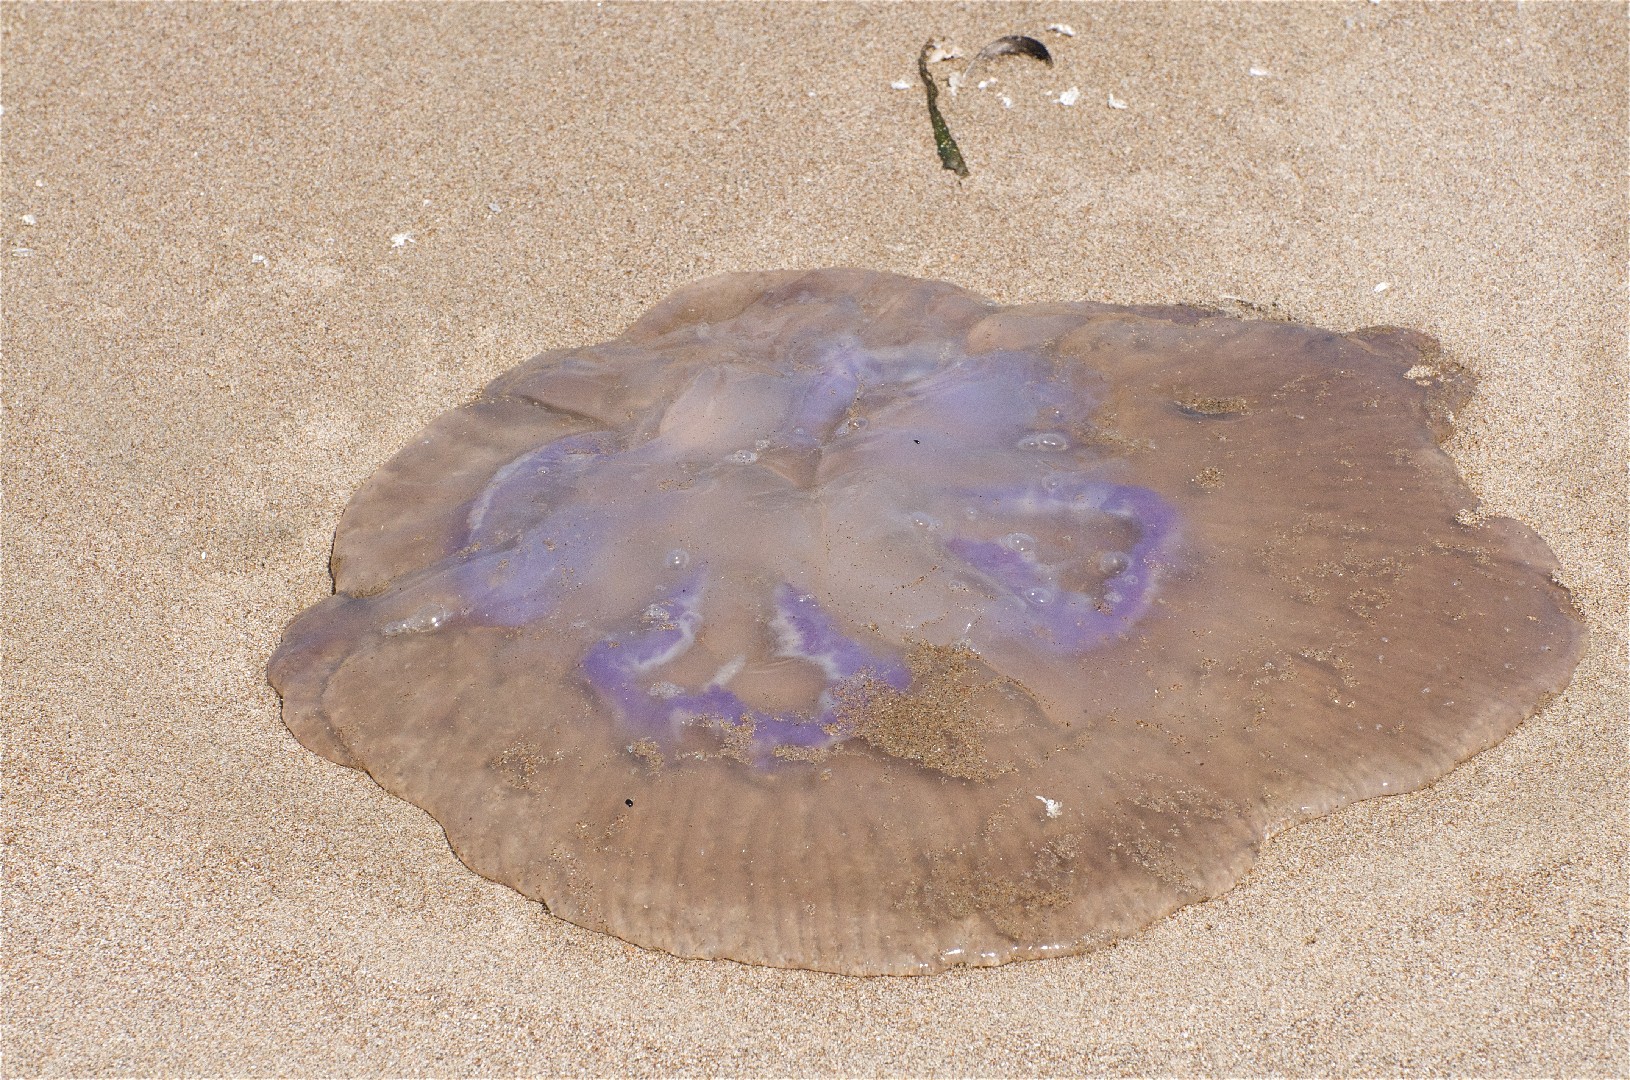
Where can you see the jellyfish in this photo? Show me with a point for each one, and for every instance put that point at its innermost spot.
(847, 621)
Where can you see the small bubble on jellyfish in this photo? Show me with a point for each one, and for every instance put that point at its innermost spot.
(1045, 441)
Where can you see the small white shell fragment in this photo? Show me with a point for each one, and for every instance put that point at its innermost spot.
(942, 51)
(1258, 72)
(1070, 96)
(1062, 28)
(1116, 103)
(1007, 102)
(402, 239)
(1052, 806)
(261, 259)
(901, 84)
(1382, 286)
(30, 219)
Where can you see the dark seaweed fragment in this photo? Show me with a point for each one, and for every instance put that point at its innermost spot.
(950, 153)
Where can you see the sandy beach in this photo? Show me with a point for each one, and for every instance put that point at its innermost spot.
(250, 251)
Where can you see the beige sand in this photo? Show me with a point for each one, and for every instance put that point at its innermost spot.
(212, 338)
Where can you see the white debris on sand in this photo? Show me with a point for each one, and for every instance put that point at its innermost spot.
(1259, 72)
(1116, 103)
(1070, 96)
(1053, 806)
(1062, 28)
(1382, 286)
(402, 239)
(901, 84)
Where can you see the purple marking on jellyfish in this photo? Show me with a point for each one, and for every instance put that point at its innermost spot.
(1014, 570)
(620, 669)
(534, 477)
(808, 633)
(522, 582)
(615, 665)
(1073, 621)
(508, 586)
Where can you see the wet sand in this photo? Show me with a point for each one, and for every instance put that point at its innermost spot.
(249, 251)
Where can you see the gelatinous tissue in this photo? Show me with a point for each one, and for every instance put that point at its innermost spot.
(853, 622)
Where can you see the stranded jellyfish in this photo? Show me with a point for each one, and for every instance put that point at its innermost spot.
(847, 621)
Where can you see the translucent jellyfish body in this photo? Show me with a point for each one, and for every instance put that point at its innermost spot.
(847, 621)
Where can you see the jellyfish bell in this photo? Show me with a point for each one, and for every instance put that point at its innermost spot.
(846, 621)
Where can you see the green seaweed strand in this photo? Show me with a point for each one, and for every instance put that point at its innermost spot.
(950, 153)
